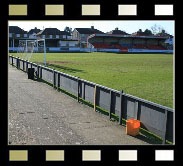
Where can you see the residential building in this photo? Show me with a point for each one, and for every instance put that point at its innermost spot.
(82, 34)
(34, 31)
(15, 34)
(116, 31)
(56, 38)
(53, 33)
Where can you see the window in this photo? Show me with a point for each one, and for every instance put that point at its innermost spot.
(64, 36)
(25, 35)
(31, 36)
(10, 35)
(57, 36)
(17, 35)
(51, 36)
(43, 36)
(69, 37)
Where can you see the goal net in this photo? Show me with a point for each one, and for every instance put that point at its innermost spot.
(27, 48)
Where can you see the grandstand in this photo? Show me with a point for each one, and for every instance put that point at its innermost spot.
(128, 43)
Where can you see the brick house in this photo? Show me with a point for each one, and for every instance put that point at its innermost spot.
(15, 34)
(34, 31)
(81, 34)
(56, 38)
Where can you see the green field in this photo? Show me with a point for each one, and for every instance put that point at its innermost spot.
(148, 76)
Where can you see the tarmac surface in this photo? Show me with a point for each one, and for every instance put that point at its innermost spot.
(40, 115)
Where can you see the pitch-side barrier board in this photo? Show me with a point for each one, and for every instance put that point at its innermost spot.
(44, 155)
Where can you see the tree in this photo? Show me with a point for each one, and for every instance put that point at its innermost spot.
(157, 29)
(148, 32)
(69, 30)
(154, 29)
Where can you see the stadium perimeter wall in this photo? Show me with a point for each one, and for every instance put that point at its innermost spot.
(58, 49)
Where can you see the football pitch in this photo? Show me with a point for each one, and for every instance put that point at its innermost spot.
(148, 76)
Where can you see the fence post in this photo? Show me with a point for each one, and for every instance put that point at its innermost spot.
(95, 97)
(40, 72)
(58, 81)
(78, 88)
(53, 78)
(12, 60)
(37, 71)
(165, 127)
(121, 106)
(83, 90)
(139, 110)
(23, 65)
(110, 111)
(17, 63)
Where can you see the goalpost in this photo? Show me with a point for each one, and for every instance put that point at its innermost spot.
(29, 46)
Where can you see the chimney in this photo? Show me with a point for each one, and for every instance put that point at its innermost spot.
(92, 27)
(116, 28)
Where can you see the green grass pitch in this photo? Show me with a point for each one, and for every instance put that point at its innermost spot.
(148, 76)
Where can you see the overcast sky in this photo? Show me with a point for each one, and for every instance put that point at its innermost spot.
(105, 26)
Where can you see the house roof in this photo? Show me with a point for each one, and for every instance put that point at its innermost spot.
(52, 31)
(127, 36)
(117, 31)
(35, 30)
(16, 30)
(88, 31)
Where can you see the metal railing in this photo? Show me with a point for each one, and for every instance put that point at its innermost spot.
(155, 118)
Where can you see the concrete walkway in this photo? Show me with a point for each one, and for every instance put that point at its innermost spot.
(40, 115)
